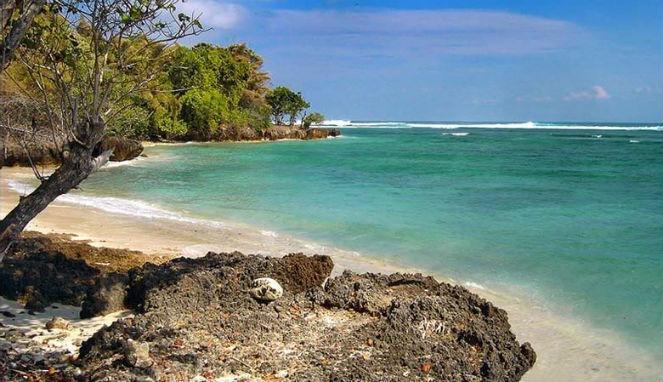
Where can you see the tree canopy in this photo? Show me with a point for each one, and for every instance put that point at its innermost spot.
(191, 95)
(285, 103)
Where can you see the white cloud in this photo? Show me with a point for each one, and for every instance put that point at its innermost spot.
(595, 93)
(389, 32)
(213, 14)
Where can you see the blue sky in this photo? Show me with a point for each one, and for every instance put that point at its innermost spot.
(485, 60)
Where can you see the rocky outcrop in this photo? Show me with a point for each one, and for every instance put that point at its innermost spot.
(123, 148)
(106, 295)
(272, 133)
(38, 277)
(201, 319)
(197, 319)
(321, 133)
(42, 151)
(44, 269)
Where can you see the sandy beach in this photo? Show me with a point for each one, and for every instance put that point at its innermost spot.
(567, 348)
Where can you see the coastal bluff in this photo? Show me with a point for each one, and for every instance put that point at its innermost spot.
(273, 133)
(195, 319)
(40, 150)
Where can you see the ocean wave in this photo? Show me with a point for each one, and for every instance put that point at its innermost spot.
(456, 134)
(336, 122)
(474, 285)
(125, 163)
(481, 125)
(119, 206)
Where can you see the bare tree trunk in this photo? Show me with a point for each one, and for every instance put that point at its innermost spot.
(75, 168)
(14, 36)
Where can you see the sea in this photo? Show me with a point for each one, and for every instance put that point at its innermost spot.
(567, 214)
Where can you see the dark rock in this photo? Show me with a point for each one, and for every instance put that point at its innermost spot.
(123, 148)
(38, 276)
(57, 323)
(321, 133)
(196, 316)
(38, 263)
(137, 354)
(271, 133)
(34, 300)
(107, 295)
(41, 150)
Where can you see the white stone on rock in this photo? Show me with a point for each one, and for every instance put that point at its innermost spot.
(266, 289)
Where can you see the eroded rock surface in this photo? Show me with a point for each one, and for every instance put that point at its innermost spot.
(198, 320)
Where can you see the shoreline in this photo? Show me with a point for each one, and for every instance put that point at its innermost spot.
(586, 352)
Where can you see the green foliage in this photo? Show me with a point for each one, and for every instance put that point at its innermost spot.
(314, 118)
(196, 90)
(133, 122)
(284, 102)
(203, 111)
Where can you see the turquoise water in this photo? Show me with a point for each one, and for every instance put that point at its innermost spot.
(573, 217)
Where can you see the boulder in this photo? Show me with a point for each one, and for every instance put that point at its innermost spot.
(321, 133)
(123, 148)
(137, 354)
(106, 296)
(37, 275)
(57, 323)
(41, 150)
(266, 289)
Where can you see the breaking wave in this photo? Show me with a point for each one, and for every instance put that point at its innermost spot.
(481, 125)
(119, 206)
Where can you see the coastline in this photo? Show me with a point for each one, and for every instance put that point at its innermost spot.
(587, 353)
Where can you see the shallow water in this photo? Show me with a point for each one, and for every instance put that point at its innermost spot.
(572, 218)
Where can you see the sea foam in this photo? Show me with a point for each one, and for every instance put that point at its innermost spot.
(119, 206)
(479, 125)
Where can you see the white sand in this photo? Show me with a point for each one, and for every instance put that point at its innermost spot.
(39, 340)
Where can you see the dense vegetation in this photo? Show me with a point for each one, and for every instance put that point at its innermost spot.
(197, 91)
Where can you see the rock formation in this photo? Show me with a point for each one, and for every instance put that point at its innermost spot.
(41, 150)
(200, 321)
(197, 319)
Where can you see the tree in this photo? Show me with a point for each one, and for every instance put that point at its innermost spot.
(16, 17)
(314, 118)
(284, 102)
(203, 111)
(85, 58)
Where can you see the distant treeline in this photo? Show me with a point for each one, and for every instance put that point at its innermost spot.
(196, 91)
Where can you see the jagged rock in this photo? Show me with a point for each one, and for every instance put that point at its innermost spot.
(106, 296)
(271, 133)
(57, 323)
(137, 354)
(123, 148)
(41, 150)
(320, 133)
(196, 314)
(31, 273)
(37, 263)
(266, 289)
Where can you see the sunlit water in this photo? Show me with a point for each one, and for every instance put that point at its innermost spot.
(574, 218)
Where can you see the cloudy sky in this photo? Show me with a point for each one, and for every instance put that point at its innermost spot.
(562, 60)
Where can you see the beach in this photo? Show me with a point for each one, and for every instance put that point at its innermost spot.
(567, 349)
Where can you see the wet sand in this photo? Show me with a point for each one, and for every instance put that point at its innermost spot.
(567, 348)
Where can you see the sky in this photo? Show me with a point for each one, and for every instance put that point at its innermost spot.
(581, 60)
